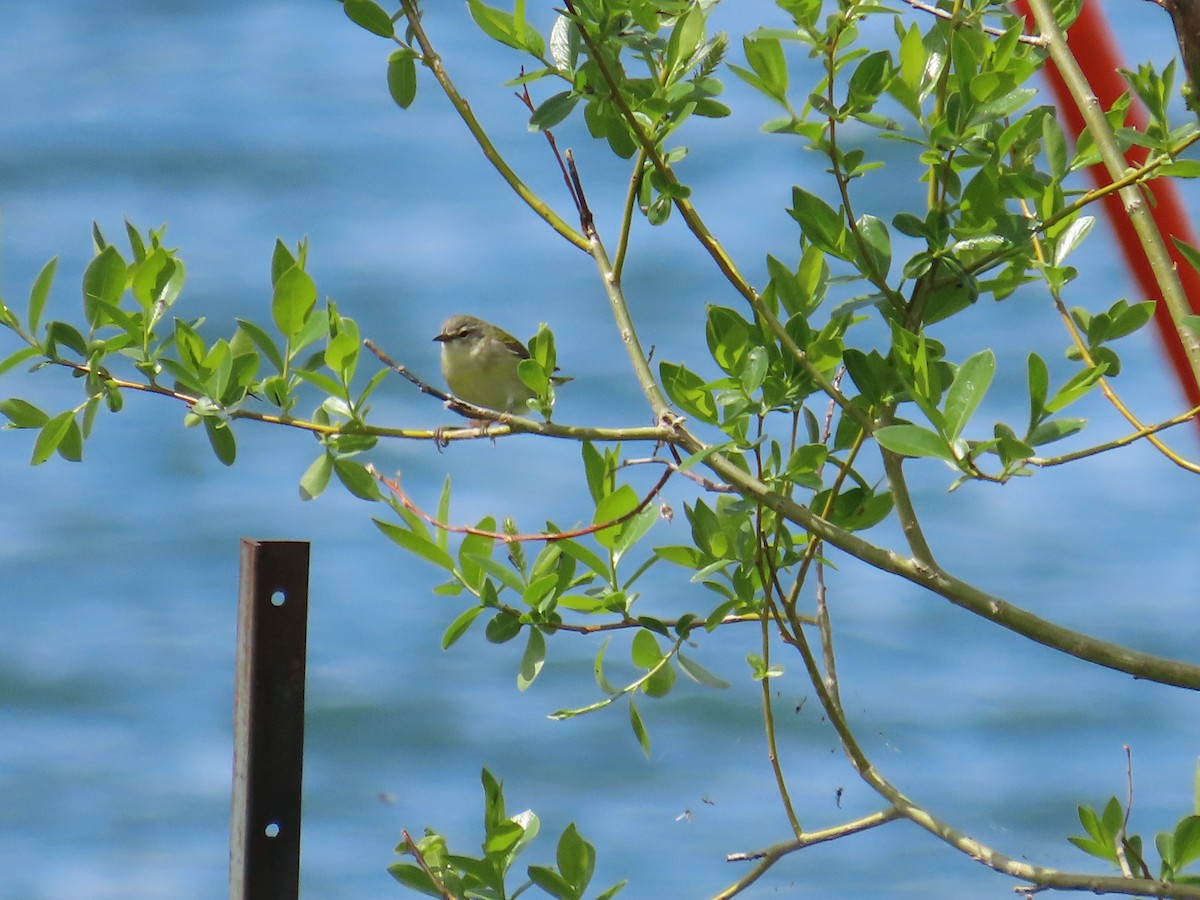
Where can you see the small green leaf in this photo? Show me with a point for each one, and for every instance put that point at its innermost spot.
(416, 544)
(1074, 388)
(263, 342)
(51, 436)
(645, 650)
(698, 673)
(877, 245)
(1185, 843)
(551, 882)
(503, 627)
(576, 859)
(459, 626)
(913, 440)
(620, 502)
(402, 77)
(316, 477)
(819, 221)
(22, 414)
(1188, 252)
(39, 294)
(103, 284)
(1072, 237)
(1039, 386)
(220, 437)
(370, 16)
(293, 300)
(971, 382)
(356, 479)
(552, 111)
(532, 659)
(639, 728)
(688, 392)
(70, 447)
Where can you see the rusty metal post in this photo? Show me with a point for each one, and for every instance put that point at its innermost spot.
(268, 721)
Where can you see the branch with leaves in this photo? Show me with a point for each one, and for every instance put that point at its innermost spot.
(828, 387)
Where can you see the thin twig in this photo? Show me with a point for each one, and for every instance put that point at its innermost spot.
(420, 858)
(394, 486)
(1032, 39)
(707, 483)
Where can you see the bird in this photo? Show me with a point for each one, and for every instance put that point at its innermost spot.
(479, 363)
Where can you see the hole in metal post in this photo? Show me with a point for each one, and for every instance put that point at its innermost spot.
(272, 830)
(278, 598)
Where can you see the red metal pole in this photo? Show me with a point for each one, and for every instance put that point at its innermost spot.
(1091, 40)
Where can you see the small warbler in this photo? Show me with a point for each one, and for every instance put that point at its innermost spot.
(479, 363)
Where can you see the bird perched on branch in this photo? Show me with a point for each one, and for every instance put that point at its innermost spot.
(479, 363)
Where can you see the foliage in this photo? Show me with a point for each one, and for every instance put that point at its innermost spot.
(442, 873)
(828, 383)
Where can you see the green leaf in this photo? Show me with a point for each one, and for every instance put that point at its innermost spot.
(645, 650)
(971, 382)
(70, 447)
(472, 547)
(612, 891)
(584, 555)
(103, 284)
(686, 35)
(819, 221)
(1054, 430)
(1185, 843)
(402, 77)
(639, 728)
(51, 436)
(564, 43)
(316, 477)
(22, 413)
(40, 293)
(698, 673)
(154, 282)
(220, 437)
(1075, 387)
(1125, 319)
(370, 16)
(1072, 237)
(263, 342)
(356, 479)
(505, 27)
(553, 110)
(576, 859)
(293, 300)
(18, 357)
(503, 627)
(532, 659)
(1039, 386)
(416, 544)
(765, 57)
(913, 440)
(620, 502)
(877, 245)
(459, 626)
(688, 392)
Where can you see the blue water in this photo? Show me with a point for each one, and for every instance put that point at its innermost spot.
(239, 122)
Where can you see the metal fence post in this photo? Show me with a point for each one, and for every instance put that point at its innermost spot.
(268, 715)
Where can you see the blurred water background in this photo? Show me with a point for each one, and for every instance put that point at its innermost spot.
(236, 122)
